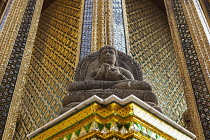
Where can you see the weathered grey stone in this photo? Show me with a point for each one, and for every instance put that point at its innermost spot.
(122, 84)
(107, 72)
(75, 97)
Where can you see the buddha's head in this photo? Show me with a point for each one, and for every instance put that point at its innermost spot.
(107, 54)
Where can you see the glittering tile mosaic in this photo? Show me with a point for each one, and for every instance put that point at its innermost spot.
(87, 29)
(54, 56)
(12, 70)
(51, 67)
(109, 120)
(119, 26)
(152, 47)
(197, 78)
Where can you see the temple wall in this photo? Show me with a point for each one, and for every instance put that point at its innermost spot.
(152, 46)
(55, 54)
(52, 65)
(54, 57)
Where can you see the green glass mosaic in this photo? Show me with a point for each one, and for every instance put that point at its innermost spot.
(112, 128)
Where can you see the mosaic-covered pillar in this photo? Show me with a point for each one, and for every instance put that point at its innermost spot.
(190, 33)
(104, 23)
(190, 41)
(17, 38)
(10, 23)
(52, 64)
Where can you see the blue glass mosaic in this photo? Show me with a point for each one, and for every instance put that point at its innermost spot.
(87, 29)
(119, 30)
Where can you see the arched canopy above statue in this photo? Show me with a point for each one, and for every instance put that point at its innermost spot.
(91, 62)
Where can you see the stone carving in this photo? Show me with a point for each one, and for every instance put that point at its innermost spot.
(108, 72)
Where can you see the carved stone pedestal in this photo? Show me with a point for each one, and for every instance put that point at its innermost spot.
(76, 97)
(112, 118)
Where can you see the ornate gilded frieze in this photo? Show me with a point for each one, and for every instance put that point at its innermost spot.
(96, 121)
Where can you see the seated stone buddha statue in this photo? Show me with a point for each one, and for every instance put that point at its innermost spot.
(107, 72)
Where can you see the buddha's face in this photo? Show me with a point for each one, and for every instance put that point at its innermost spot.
(108, 56)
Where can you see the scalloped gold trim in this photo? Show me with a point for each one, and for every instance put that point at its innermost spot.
(112, 112)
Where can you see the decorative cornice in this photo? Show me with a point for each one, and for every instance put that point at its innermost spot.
(112, 109)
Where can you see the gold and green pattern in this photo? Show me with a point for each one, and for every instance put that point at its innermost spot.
(112, 121)
(113, 130)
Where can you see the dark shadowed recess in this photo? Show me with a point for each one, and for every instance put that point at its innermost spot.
(158, 3)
